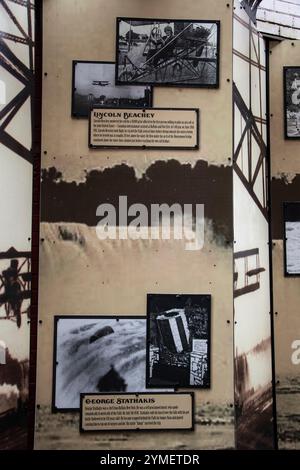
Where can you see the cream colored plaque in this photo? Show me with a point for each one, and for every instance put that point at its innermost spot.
(126, 411)
(144, 128)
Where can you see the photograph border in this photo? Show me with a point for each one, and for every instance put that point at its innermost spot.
(56, 318)
(192, 428)
(146, 147)
(168, 84)
(286, 273)
(176, 386)
(285, 70)
(74, 62)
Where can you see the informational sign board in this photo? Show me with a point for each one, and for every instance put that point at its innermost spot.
(130, 411)
(144, 128)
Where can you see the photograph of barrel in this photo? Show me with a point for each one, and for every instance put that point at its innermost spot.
(178, 340)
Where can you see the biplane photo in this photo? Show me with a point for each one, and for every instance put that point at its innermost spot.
(168, 52)
(15, 285)
(94, 85)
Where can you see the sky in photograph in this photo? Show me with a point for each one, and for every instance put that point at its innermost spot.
(87, 73)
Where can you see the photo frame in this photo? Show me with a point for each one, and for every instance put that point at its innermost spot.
(170, 409)
(167, 52)
(178, 340)
(93, 84)
(291, 238)
(291, 93)
(97, 354)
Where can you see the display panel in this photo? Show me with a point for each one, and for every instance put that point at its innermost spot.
(93, 84)
(167, 52)
(178, 340)
(292, 238)
(15, 284)
(291, 81)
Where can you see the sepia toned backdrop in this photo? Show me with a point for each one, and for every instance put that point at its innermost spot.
(80, 274)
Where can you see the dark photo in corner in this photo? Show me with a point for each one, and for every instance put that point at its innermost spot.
(292, 238)
(291, 79)
(97, 355)
(93, 84)
(178, 340)
(167, 52)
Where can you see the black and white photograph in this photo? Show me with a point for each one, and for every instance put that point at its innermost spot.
(97, 354)
(178, 340)
(291, 81)
(94, 85)
(292, 238)
(168, 52)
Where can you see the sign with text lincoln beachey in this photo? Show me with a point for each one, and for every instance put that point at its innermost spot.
(161, 128)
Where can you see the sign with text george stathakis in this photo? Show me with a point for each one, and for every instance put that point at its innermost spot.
(152, 128)
(136, 411)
